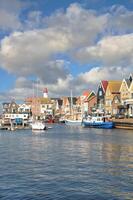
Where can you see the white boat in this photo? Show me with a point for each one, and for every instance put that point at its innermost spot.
(62, 120)
(73, 122)
(38, 125)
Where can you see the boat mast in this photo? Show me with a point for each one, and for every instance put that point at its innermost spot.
(71, 108)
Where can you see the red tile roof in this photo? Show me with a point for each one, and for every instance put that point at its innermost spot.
(104, 85)
(86, 93)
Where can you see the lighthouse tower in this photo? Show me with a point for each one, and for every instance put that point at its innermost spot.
(45, 93)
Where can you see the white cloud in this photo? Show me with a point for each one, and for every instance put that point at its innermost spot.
(113, 50)
(9, 14)
(35, 52)
(9, 21)
(44, 43)
(29, 53)
(120, 19)
(89, 80)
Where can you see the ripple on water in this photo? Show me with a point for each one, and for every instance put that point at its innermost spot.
(66, 163)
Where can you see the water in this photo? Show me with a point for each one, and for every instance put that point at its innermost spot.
(66, 163)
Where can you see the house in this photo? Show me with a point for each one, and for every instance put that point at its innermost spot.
(46, 107)
(24, 108)
(41, 107)
(90, 101)
(92, 104)
(129, 101)
(68, 105)
(126, 95)
(101, 95)
(65, 106)
(115, 104)
(84, 101)
(112, 92)
(124, 90)
(57, 106)
(10, 107)
(11, 112)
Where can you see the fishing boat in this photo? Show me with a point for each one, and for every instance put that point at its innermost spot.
(73, 122)
(97, 122)
(38, 125)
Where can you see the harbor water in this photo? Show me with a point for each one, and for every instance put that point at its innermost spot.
(66, 163)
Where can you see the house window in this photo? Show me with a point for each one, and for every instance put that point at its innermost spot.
(116, 100)
(100, 93)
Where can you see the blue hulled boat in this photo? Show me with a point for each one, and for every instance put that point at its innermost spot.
(97, 122)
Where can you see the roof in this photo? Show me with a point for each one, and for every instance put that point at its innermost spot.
(92, 98)
(104, 84)
(86, 93)
(6, 103)
(114, 86)
(45, 100)
(91, 94)
(128, 82)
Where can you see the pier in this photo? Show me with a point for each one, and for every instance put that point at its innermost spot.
(126, 123)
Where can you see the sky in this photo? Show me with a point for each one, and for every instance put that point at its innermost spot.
(63, 45)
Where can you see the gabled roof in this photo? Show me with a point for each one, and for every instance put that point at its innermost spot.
(114, 86)
(86, 93)
(104, 84)
(91, 94)
(131, 77)
(92, 97)
(128, 82)
(6, 103)
(116, 96)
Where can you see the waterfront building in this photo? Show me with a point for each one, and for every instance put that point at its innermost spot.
(13, 112)
(90, 102)
(84, 101)
(69, 106)
(126, 95)
(10, 107)
(112, 95)
(115, 104)
(24, 108)
(101, 95)
(46, 107)
(41, 107)
(129, 102)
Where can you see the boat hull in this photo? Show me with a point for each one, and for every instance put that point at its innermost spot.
(73, 122)
(38, 126)
(105, 125)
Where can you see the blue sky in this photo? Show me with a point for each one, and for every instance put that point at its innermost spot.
(64, 44)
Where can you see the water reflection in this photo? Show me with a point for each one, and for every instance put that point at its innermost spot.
(66, 163)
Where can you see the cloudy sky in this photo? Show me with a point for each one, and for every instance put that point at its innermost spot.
(63, 45)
